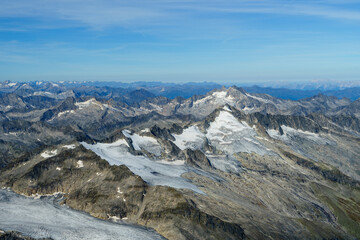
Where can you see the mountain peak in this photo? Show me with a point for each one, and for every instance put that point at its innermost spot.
(236, 88)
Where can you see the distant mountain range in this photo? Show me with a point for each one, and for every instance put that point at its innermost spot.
(186, 90)
(323, 85)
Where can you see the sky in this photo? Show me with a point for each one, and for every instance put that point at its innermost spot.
(180, 41)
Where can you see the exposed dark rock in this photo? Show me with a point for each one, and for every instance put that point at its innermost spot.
(11, 235)
(67, 104)
(197, 158)
(162, 133)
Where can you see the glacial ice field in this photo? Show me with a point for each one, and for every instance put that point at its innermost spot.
(44, 218)
(153, 172)
(226, 134)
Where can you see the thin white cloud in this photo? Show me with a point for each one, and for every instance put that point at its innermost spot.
(316, 10)
(92, 13)
(99, 14)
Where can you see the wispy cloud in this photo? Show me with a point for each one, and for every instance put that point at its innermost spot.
(328, 9)
(93, 13)
(212, 38)
(98, 14)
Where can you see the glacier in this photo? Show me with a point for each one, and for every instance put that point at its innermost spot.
(153, 172)
(45, 218)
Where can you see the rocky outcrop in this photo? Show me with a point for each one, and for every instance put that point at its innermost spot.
(197, 158)
(297, 122)
(67, 105)
(162, 133)
(11, 235)
(164, 204)
(328, 172)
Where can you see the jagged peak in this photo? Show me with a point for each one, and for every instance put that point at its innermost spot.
(320, 96)
(226, 92)
(236, 88)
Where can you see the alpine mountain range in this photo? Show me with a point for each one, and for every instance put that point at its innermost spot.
(171, 161)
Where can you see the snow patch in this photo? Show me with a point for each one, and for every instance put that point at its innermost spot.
(226, 108)
(275, 134)
(291, 133)
(43, 94)
(65, 112)
(79, 164)
(139, 142)
(71, 146)
(217, 98)
(190, 138)
(48, 154)
(88, 103)
(113, 218)
(202, 100)
(38, 196)
(176, 162)
(221, 94)
(261, 138)
(146, 130)
(247, 109)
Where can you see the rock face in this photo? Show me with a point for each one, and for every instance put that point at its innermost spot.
(17, 236)
(197, 158)
(162, 133)
(67, 105)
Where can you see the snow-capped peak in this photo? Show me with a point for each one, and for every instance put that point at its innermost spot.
(88, 103)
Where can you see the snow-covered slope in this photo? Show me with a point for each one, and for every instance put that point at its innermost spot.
(43, 218)
(140, 142)
(153, 172)
(190, 138)
(227, 136)
(230, 135)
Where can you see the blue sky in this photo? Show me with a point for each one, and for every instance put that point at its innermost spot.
(180, 41)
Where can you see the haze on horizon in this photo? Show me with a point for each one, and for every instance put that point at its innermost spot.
(175, 41)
